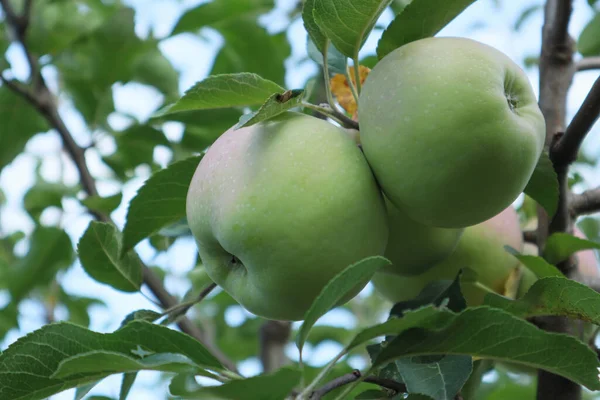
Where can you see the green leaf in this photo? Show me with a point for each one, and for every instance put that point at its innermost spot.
(275, 105)
(160, 202)
(439, 379)
(336, 289)
(154, 69)
(266, 60)
(126, 383)
(315, 34)
(141, 315)
(135, 146)
(495, 334)
(418, 20)
(540, 267)
(49, 32)
(275, 386)
(98, 251)
(372, 395)
(543, 185)
(217, 12)
(348, 23)
(50, 250)
(336, 61)
(560, 246)
(44, 195)
(588, 43)
(20, 122)
(224, 91)
(527, 13)
(103, 204)
(77, 306)
(109, 362)
(437, 293)
(50, 346)
(553, 296)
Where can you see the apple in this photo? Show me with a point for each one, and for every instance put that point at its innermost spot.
(451, 129)
(279, 208)
(413, 247)
(481, 248)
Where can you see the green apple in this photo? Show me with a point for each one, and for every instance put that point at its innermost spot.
(279, 208)
(481, 248)
(451, 129)
(413, 247)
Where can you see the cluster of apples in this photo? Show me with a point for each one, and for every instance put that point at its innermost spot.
(450, 133)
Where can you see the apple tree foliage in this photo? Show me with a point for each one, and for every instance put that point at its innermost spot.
(76, 53)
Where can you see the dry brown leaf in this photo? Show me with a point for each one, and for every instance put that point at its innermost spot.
(342, 92)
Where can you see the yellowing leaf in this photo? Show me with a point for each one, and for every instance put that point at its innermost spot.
(343, 93)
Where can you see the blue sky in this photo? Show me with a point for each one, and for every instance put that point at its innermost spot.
(484, 21)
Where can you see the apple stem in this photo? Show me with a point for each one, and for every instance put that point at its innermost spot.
(334, 114)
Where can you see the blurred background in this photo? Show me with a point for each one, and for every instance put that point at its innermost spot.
(106, 99)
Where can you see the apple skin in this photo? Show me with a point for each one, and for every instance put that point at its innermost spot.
(279, 208)
(481, 248)
(451, 129)
(412, 247)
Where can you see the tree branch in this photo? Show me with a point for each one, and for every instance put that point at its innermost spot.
(556, 74)
(588, 63)
(530, 236)
(353, 376)
(273, 337)
(566, 148)
(587, 202)
(42, 99)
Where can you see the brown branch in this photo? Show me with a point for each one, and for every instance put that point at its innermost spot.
(273, 337)
(353, 376)
(530, 236)
(42, 99)
(565, 149)
(587, 64)
(556, 74)
(587, 202)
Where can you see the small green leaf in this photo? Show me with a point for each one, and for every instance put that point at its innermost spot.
(275, 105)
(50, 250)
(553, 296)
(98, 251)
(315, 35)
(100, 361)
(560, 246)
(159, 203)
(216, 12)
(141, 315)
(589, 39)
(540, 267)
(44, 195)
(527, 13)
(348, 23)
(491, 333)
(336, 61)
(223, 91)
(372, 394)
(103, 204)
(543, 185)
(126, 384)
(418, 20)
(275, 386)
(20, 122)
(440, 379)
(336, 289)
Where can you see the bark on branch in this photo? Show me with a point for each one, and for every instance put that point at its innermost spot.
(353, 377)
(588, 63)
(587, 202)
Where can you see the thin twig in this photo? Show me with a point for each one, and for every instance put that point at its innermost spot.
(42, 99)
(565, 149)
(353, 376)
(182, 308)
(588, 63)
(530, 236)
(334, 114)
(587, 202)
